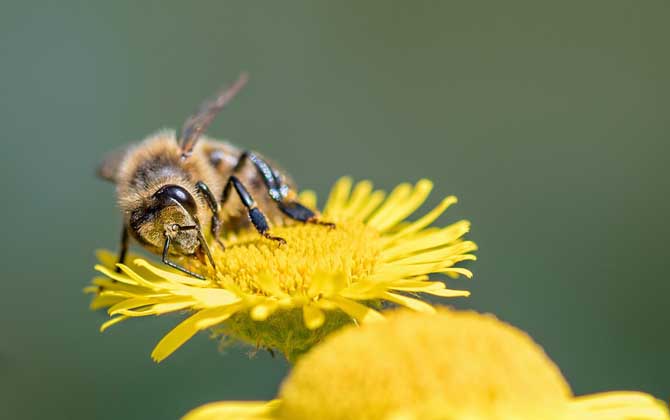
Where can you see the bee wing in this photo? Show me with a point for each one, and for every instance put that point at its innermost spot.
(196, 124)
(109, 167)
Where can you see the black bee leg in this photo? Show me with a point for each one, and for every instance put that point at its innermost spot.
(270, 177)
(297, 211)
(124, 247)
(255, 215)
(214, 207)
(278, 190)
(166, 253)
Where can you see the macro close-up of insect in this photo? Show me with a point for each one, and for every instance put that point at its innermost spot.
(173, 190)
(335, 210)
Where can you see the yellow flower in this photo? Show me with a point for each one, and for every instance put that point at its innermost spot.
(289, 297)
(450, 365)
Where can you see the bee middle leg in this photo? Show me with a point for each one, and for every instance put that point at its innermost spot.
(278, 191)
(256, 216)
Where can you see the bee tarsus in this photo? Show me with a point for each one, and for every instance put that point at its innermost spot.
(256, 216)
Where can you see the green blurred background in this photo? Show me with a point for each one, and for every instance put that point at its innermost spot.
(549, 122)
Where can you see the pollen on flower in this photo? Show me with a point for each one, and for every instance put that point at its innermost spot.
(288, 297)
(351, 249)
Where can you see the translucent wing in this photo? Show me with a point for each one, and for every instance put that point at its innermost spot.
(198, 123)
(109, 167)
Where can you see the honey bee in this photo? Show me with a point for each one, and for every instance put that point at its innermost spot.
(172, 189)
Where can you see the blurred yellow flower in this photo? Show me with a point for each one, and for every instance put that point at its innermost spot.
(289, 297)
(450, 365)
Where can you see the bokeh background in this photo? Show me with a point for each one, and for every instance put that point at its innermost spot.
(548, 121)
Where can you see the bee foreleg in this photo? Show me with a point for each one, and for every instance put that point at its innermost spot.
(123, 250)
(256, 216)
(166, 261)
(214, 207)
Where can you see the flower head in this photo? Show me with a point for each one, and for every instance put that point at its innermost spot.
(450, 365)
(289, 297)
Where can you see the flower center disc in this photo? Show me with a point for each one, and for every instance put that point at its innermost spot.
(350, 249)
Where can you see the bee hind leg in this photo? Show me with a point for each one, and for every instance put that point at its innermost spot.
(299, 212)
(277, 190)
(256, 216)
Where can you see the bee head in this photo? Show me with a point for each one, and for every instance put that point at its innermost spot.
(170, 212)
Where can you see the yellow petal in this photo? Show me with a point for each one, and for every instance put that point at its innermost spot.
(169, 275)
(234, 410)
(263, 310)
(415, 304)
(326, 284)
(405, 208)
(114, 275)
(399, 194)
(313, 316)
(338, 196)
(619, 405)
(427, 219)
(356, 310)
(308, 199)
(111, 322)
(376, 198)
(359, 198)
(187, 329)
(447, 292)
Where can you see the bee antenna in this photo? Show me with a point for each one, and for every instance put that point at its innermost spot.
(196, 124)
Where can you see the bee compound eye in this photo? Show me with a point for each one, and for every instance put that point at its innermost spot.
(171, 194)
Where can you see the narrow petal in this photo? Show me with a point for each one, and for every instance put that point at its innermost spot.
(100, 302)
(169, 275)
(132, 303)
(427, 219)
(456, 270)
(376, 198)
(356, 310)
(415, 304)
(208, 297)
(114, 275)
(326, 284)
(358, 199)
(619, 405)
(268, 285)
(397, 196)
(308, 198)
(439, 238)
(187, 329)
(338, 197)
(263, 310)
(111, 322)
(436, 288)
(234, 410)
(406, 207)
(313, 316)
